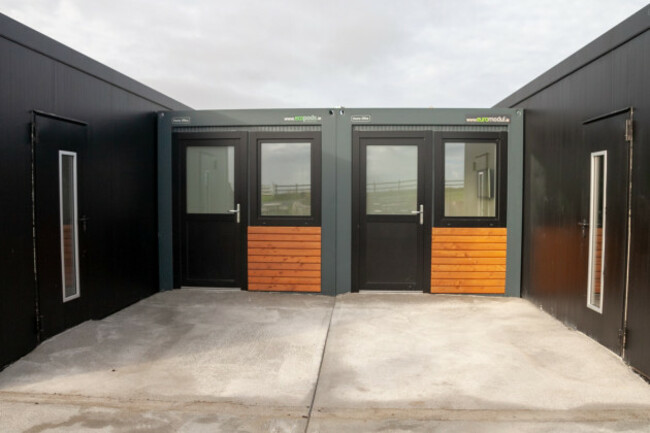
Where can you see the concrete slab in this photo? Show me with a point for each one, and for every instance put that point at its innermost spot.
(465, 363)
(200, 361)
(243, 355)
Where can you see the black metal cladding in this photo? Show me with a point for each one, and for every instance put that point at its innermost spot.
(120, 188)
(609, 74)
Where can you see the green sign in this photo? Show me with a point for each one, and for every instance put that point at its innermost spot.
(303, 119)
(487, 119)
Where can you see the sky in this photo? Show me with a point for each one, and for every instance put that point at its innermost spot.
(217, 54)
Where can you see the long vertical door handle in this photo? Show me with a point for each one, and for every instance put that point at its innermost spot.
(237, 211)
(421, 212)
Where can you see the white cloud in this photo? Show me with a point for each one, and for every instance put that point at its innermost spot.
(288, 53)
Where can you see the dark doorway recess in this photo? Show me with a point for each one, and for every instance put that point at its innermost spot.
(391, 210)
(59, 145)
(210, 209)
(603, 227)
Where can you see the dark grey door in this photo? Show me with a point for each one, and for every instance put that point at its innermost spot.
(60, 222)
(213, 209)
(604, 228)
(392, 210)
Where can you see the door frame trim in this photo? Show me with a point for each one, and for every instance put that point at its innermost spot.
(241, 178)
(427, 155)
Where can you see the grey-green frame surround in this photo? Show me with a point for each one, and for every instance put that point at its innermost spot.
(336, 126)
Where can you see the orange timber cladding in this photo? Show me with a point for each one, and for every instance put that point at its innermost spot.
(463, 260)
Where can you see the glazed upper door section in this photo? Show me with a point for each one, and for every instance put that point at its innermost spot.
(212, 216)
(392, 210)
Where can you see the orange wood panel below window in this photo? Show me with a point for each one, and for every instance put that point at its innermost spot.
(468, 260)
(284, 259)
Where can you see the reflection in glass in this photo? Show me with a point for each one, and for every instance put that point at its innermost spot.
(285, 179)
(597, 230)
(210, 179)
(470, 172)
(391, 179)
(68, 207)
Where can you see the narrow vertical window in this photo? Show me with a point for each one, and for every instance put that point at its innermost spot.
(597, 217)
(68, 222)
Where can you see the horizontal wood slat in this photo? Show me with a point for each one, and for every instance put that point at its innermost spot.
(283, 273)
(285, 230)
(281, 252)
(467, 282)
(467, 290)
(468, 268)
(468, 260)
(468, 246)
(472, 231)
(285, 287)
(475, 253)
(283, 280)
(285, 265)
(283, 237)
(278, 245)
(284, 259)
(472, 239)
(470, 275)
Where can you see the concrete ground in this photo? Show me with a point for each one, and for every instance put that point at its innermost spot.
(200, 361)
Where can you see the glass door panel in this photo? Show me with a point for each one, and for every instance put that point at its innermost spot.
(68, 224)
(391, 179)
(210, 179)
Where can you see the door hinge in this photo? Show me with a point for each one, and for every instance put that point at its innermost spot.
(622, 336)
(629, 129)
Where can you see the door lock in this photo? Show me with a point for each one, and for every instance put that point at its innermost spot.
(421, 212)
(236, 211)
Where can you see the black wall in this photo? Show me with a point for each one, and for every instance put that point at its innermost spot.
(120, 193)
(611, 73)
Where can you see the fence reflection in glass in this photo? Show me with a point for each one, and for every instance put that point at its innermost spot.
(285, 188)
(391, 179)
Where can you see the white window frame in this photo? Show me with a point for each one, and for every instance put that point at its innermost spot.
(592, 232)
(75, 225)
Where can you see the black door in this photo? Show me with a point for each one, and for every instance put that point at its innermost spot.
(212, 209)
(60, 223)
(604, 228)
(392, 210)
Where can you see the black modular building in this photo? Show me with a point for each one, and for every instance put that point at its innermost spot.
(61, 111)
(587, 189)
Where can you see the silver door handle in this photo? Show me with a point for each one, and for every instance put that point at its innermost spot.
(236, 211)
(421, 212)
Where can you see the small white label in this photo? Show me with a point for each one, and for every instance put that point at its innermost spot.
(361, 118)
(186, 120)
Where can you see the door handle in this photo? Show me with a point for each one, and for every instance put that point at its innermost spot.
(421, 212)
(84, 221)
(236, 211)
(583, 226)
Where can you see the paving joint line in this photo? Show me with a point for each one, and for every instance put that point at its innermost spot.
(320, 367)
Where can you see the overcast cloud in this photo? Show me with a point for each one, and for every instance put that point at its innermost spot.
(365, 53)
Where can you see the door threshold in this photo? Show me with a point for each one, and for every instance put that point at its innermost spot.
(212, 289)
(390, 292)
